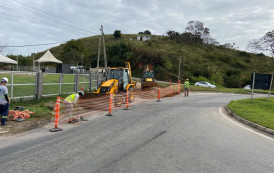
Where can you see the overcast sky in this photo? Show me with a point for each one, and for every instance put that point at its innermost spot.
(229, 21)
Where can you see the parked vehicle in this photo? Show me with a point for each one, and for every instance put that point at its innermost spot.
(247, 87)
(205, 84)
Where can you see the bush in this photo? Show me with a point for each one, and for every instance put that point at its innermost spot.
(244, 54)
(197, 79)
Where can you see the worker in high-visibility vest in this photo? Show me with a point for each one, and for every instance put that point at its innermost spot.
(71, 102)
(186, 87)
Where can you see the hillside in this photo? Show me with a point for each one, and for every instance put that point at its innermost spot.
(223, 66)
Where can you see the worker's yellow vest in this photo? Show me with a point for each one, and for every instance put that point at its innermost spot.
(71, 98)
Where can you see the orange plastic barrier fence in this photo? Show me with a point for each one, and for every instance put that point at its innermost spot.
(86, 107)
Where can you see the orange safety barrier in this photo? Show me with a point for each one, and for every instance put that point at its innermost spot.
(57, 109)
(110, 105)
(90, 106)
(179, 86)
(82, 87)
(159, 95)
(127, 102)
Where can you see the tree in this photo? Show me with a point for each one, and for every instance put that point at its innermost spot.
(117, 34)
(265, 43)
(198, 30)
(231, 46)
(147, 32)
(140, 33)
(172, 34)
(211, 40)
(72, 52)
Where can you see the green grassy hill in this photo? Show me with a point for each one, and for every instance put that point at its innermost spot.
(220, 65)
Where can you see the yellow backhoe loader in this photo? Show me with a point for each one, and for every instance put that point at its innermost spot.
(118, 80)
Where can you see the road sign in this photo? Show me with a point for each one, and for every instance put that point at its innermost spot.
(262, 81)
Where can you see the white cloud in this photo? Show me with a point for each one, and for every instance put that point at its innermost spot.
(228, 20)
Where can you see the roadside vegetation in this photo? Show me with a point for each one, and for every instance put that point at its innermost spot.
(260, 111)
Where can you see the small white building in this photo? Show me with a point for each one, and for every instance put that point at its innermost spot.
(144, 38)
(138, 37)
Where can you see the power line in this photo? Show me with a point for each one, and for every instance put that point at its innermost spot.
(39, 16)
(32, 45)
(51, 14)
(35, 18)
(38, 12)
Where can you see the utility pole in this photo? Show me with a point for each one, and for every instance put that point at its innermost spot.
(82, 60)
(33, 63)
(104, 47)
(179, 75)
(17, 62)
(98, 60)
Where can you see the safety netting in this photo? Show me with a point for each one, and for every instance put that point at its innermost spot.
(65, 112)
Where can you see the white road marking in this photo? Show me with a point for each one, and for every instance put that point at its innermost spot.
(246, 128)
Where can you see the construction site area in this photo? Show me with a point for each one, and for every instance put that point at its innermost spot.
(116, 89)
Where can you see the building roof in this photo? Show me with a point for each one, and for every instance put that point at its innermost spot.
(7, 60)
(48, 57)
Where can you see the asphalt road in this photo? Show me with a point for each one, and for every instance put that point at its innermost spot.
(180, 134)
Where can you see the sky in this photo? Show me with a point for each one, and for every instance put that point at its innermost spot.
(31, 22)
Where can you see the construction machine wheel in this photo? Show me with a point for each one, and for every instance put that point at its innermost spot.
(131, 95)
(118, 100)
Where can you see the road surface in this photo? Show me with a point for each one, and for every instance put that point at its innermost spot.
(180, 134)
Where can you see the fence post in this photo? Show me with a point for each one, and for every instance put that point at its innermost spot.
(57, 109)
(11, 87)
(39, 85)
(90, 80)
(159, 95)
(253, 83)
(60, 83)
(110, 105)
(76, 81)
(97, 78)
(127, 102)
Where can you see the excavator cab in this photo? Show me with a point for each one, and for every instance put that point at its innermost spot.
(148, 76)
(122, 75)
(148, 80)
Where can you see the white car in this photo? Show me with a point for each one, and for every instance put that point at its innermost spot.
(205, 84)
(247, 87)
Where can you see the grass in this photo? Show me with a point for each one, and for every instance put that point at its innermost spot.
(42, 109)
(260, 111)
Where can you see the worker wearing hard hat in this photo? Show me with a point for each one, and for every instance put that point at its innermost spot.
(4, 100)
(186, 87)
(71, 101)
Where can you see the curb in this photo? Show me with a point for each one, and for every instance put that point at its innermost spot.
(247, 122)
